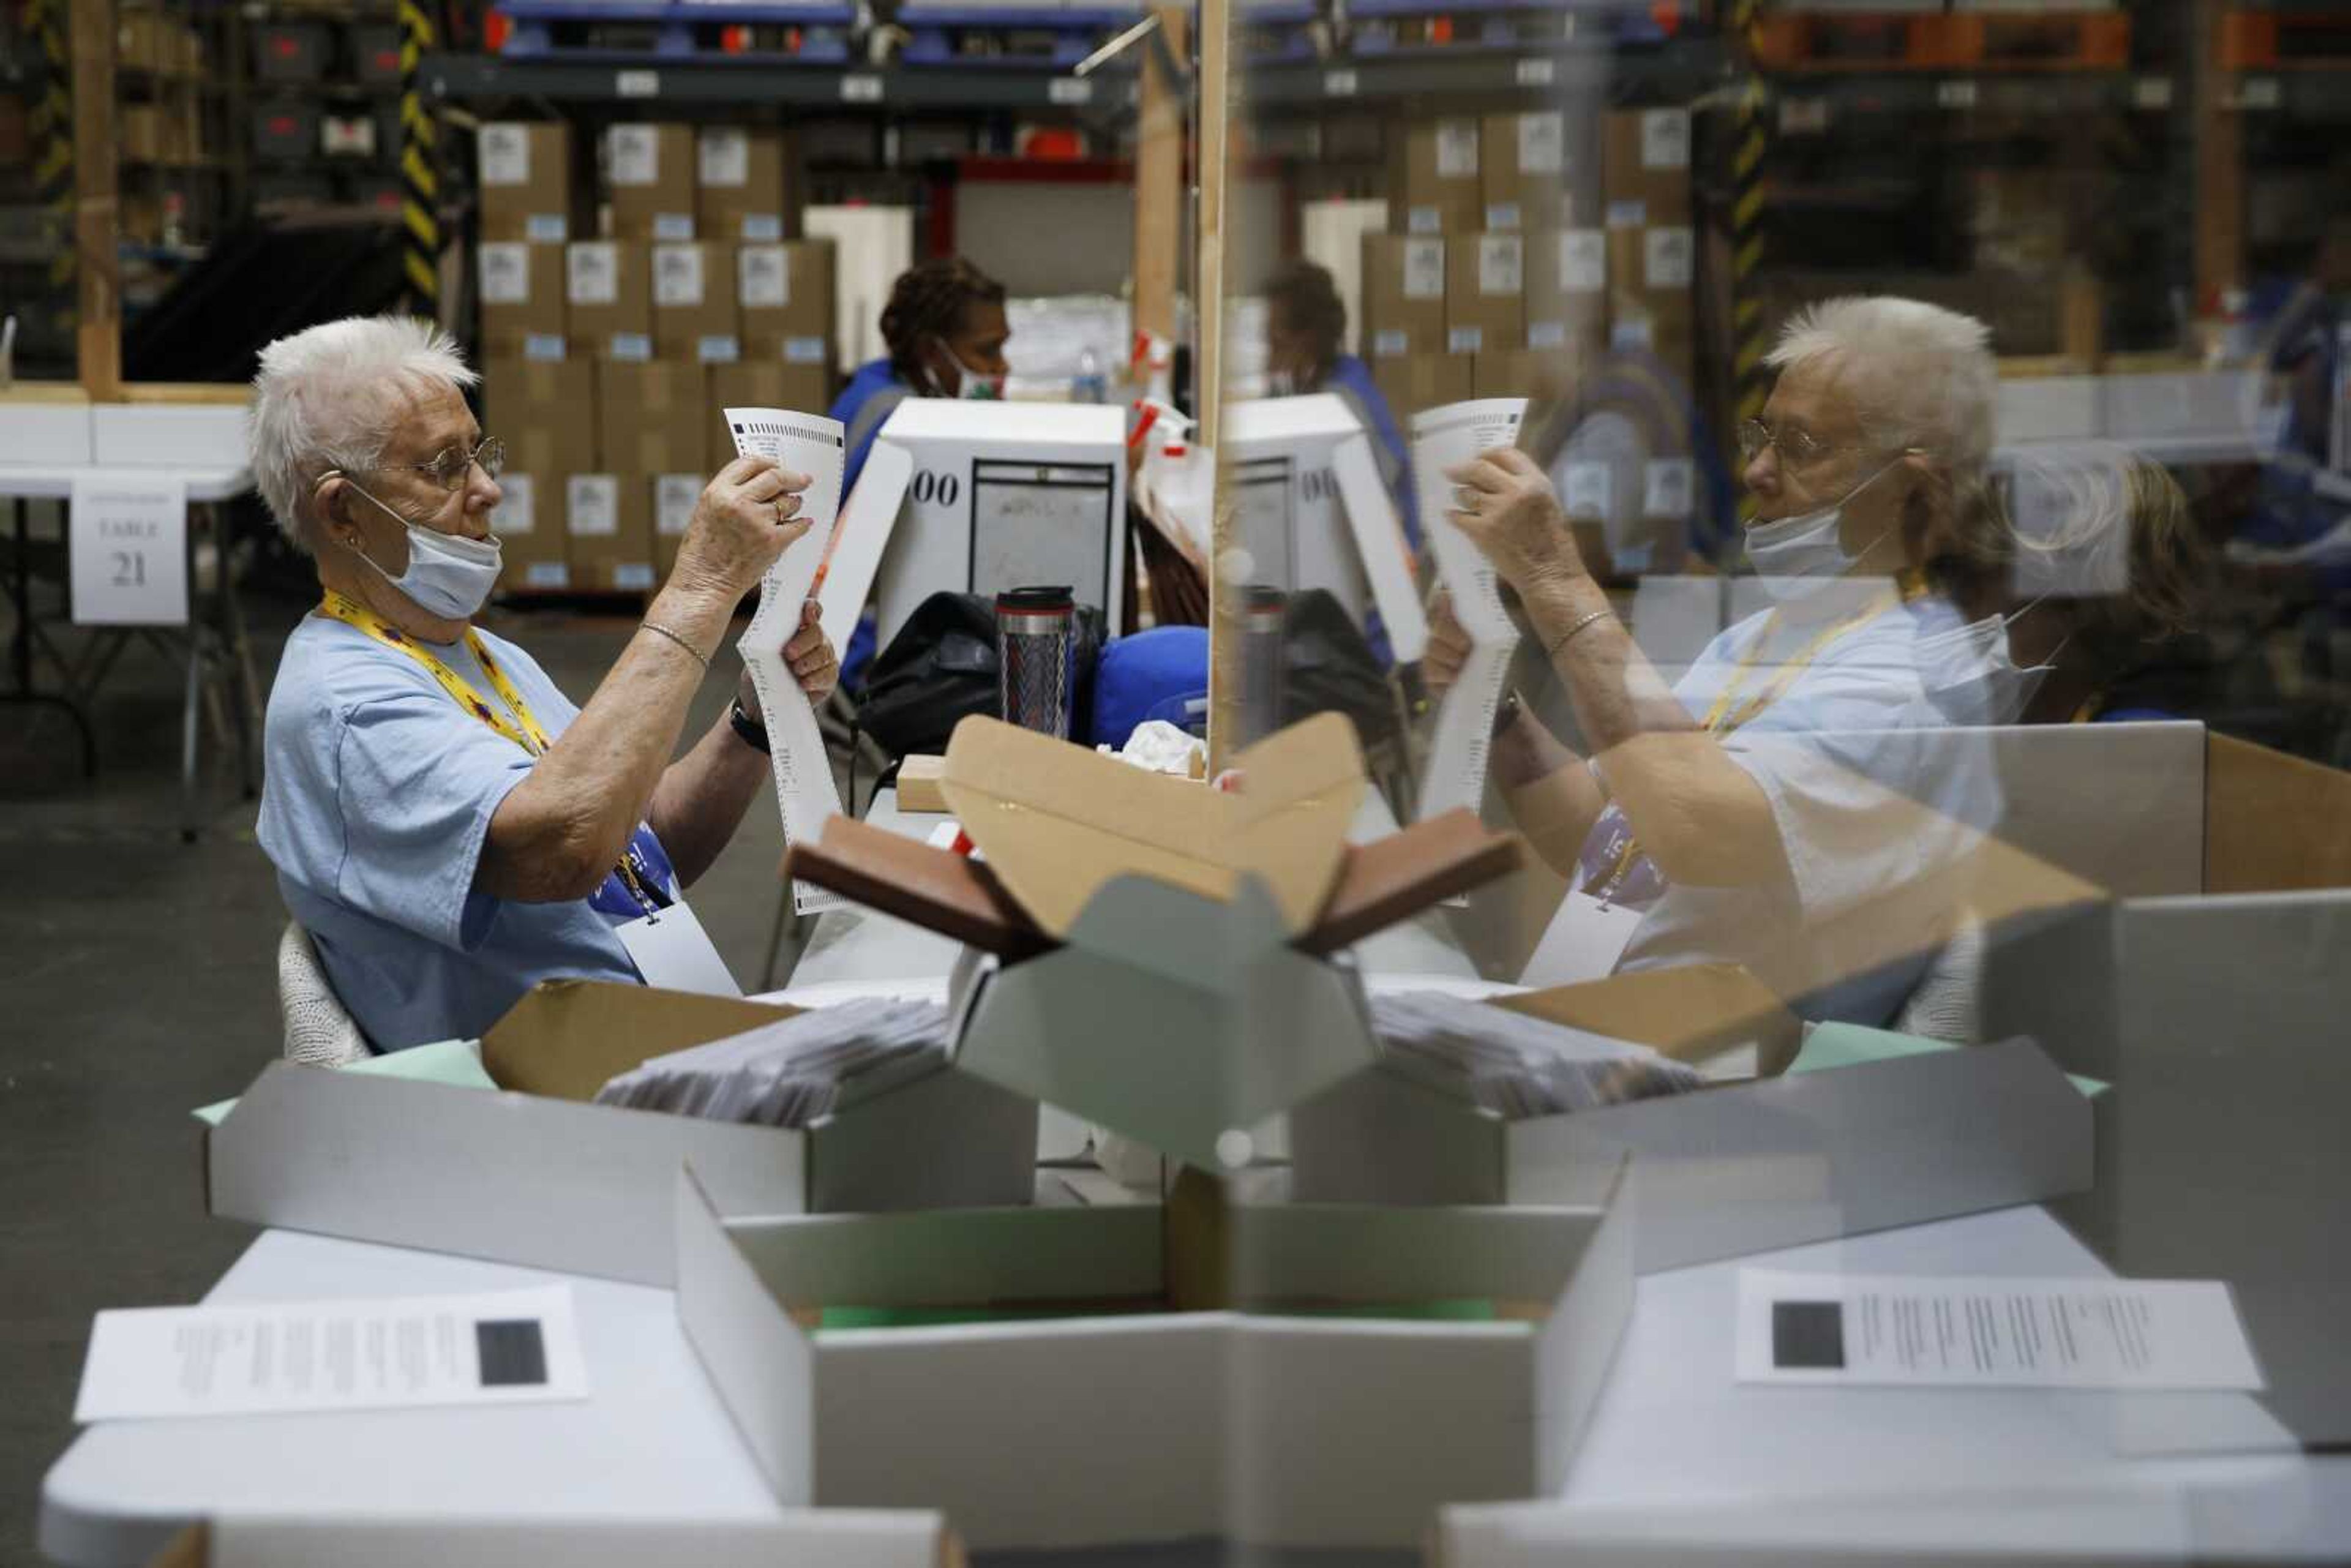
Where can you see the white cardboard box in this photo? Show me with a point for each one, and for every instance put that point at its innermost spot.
(1731, 1170)
(1125, 1428)
(535, 1175)
(1005, 495)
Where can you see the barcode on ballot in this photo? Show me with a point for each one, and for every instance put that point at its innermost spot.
(801, 433)
(511, 1352)
(1808, 1335)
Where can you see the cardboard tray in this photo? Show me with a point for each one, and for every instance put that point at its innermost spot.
(1725, 1171)
(538, 1176)
(1123, 1427)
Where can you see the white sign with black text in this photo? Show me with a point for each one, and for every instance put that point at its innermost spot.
(129, 547)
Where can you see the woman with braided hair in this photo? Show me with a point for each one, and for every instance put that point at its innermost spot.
(946, 328)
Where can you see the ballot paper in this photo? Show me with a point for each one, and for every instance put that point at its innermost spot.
(805, 793)
(794, 1071)
(1991, 1331)
(1444, 438)
(1513, 1064)
(500, 1347)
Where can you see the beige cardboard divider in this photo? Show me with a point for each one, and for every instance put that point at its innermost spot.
(838, 1538)
(538, 1176)
(1725, 1171)
(1055, 821)
(1261, 1423)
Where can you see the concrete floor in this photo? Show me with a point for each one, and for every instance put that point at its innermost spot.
(139, 979)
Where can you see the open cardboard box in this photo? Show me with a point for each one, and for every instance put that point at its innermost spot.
(537, 1174)
(1147, 953)
(1731, 1169)
(1090, 1410)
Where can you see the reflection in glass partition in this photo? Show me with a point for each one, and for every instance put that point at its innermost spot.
(1861, 494)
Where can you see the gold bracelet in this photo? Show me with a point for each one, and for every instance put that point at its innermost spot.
(1569, 635)
(657, 627)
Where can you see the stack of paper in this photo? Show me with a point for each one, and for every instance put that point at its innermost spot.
(794, 1071)
(1515, 1065)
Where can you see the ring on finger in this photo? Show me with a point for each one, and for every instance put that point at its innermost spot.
(1464, 498)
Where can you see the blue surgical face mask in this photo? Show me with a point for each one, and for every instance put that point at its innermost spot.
(1797, 556)
(448, 575)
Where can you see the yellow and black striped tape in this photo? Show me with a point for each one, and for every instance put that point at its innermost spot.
(419, 206)
(1749, 385)
(51, 125)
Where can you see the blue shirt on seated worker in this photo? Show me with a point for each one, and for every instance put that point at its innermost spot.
(448, 828)
(1305, 325)
(947, 331)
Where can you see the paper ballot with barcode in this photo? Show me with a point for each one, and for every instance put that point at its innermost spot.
(1445, 438)
(1991, 1331)
(496, 1347)
(805, 795)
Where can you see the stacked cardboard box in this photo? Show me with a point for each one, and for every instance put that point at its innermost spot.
(1519, 243)
(692, 297)
(1652, 246)
(545, 411)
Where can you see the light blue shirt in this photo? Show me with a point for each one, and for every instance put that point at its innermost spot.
(376, 800)
(1881, 790)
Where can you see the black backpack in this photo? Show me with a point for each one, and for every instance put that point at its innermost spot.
(942, 666)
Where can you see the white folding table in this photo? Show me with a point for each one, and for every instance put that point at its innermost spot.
(221, 645)
(1673, 1430)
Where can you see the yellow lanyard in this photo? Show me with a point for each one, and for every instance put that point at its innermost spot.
(523, 727)
(1727, 714)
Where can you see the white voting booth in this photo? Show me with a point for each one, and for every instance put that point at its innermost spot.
(976, 498)
(1312, 513)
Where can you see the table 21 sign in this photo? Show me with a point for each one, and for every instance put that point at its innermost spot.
(129, 549)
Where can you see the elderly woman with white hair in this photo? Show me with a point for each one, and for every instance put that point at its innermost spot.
(447, 827)
(1795, 800)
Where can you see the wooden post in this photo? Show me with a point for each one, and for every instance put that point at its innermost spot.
(1225, 682)
(2220, 135)
(95, 219)
(1159, 182)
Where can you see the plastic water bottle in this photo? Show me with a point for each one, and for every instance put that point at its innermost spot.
(1090, 385)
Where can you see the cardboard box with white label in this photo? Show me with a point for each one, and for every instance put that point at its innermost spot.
(1485, 292)
(522, 295)
(1536, 168)
(608, 294)
(1567, 290)
(695, 315)
(1312, 513)
(537, 1174)
(994, 495)
(545, 411)
(785, 294)
(608, 531)
(1646, 166)
(740, 185)
(1434, 185)
(528, 188)
(1403, 295)
(649, 173)
(1652, 275)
